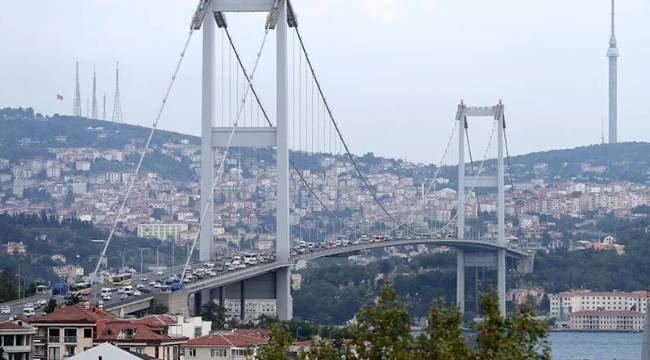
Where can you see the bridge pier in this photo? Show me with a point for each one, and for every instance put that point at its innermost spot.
(283, 300)
(481, 259)
(460, 280)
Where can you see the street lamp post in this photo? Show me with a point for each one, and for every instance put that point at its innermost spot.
(141, 255)
(158, 256)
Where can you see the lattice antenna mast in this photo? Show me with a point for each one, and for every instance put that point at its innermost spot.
(94, 108)
(76, 111)
(117, 105)
(104, 109)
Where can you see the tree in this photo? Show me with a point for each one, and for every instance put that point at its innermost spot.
(75, 298)
(50, 306)
(383, 330)
(443, 339)
(214, 312)
(321, 350)
(278, 346)
(517, 337)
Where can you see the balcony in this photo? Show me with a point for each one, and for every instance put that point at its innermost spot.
(53, 339)
(70, 339)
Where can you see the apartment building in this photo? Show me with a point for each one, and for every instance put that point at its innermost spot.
(566, 303)
(17, 340)
(165, 232)
(591, 320)
(67, 331)
(232, 346)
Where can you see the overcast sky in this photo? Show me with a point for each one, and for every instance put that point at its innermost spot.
(393, 71)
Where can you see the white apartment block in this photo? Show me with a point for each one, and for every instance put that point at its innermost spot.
(164, 232)
(591, 320)
(564, 304)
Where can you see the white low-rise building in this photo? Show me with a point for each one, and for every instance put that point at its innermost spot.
(566, 303)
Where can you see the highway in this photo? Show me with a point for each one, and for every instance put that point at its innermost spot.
(303, 251)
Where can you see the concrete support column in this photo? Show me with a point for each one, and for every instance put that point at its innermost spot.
(283, 300)
(501, 280)
(460, 280)
(208, 113)
(242, 302)
(284, 304)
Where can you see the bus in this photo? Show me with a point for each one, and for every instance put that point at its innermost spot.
(82, 288)
(121, 279)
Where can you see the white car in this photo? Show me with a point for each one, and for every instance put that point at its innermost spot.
(159, 273)
(157, 285)
(106, 297)
(5, 309)
(152, 283)
(124, 297)
(41, 302)
(137, 293)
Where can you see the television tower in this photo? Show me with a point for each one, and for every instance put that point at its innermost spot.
(117, 106)
(94, 111)
(613, 54)
(76, 110)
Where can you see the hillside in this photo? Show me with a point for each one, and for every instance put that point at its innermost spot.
(27, 134)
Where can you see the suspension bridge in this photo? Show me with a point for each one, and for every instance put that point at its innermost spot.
(234, 116)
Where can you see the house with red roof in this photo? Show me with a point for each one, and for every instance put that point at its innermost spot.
(139, 337)
(67, 331)
(224, 345)
(17, 340)
(73, 329)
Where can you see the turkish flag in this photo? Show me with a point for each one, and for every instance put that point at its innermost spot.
(59, 97)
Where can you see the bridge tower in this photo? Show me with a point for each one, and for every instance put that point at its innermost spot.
(211, 13)
(481, 259)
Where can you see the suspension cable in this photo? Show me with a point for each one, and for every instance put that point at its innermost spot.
(480, 170)
(338, 131)
(135, 173)
(512, 183)
(471, 163)
(227, 148)
(266, 117)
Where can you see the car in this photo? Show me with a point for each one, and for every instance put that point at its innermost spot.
(145, 290)
(186, 280)
(159, 272)
(144, 279)
(137, 293)
(157, 285)
(41, 302)
(212, 273)
(124, 297)
(5, 309)
(29, 311)
(106, 297)
(152, 283)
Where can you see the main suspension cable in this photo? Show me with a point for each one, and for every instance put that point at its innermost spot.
(268, 121)
(343, 142)
(134, 175)
(220, 171)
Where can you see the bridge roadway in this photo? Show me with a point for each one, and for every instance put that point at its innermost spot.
(226, 277)
(230, 277)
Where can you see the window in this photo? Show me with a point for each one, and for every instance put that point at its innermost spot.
(8, 340)
(70, 335)
(88, 333)
(54, 335)
(197, 331)
(192, 352)
(238, 352)
(139, 350)
(218, 353)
